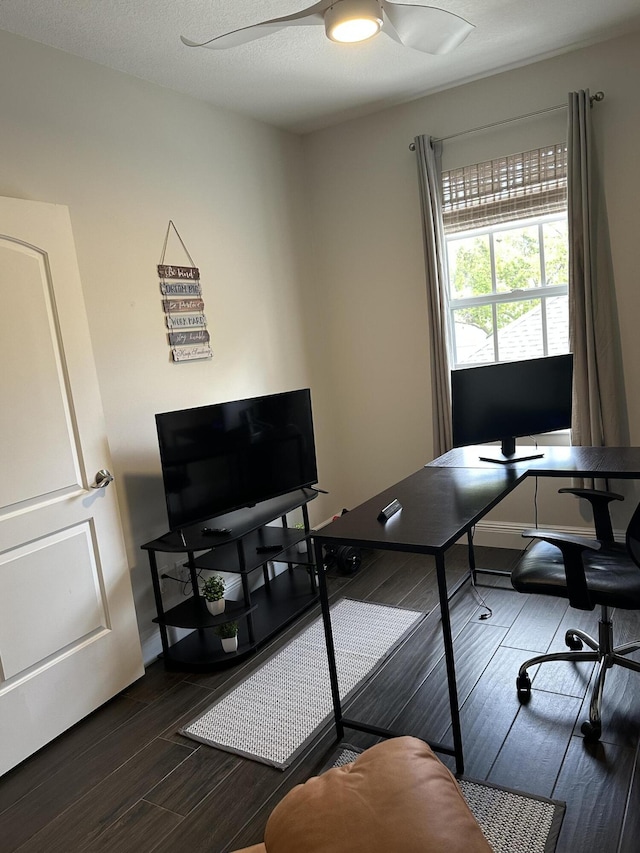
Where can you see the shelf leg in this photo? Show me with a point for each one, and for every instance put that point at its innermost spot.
(155, 582)
(193, 573)
(247, 600)
(312, 568)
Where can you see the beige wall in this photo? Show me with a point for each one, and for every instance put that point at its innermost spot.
(369, 293)
(127, 157)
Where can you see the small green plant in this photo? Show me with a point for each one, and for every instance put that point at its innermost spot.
(302, 544)
(227, 630)
(213, 588)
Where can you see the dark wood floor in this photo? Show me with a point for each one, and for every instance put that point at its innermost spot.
(123, 780)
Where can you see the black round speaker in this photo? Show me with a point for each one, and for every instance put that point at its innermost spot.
(348, 559)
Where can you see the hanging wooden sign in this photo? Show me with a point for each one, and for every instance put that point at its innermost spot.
(183, 307)
(191, 353)
(185, 321)
(191, 273)
(179, 288)
(181, 339)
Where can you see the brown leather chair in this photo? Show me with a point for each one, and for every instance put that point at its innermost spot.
(396, 796)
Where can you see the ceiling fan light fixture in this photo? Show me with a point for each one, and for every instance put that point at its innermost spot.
(351, 21)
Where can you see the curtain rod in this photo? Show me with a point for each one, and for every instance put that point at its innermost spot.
(599, 96)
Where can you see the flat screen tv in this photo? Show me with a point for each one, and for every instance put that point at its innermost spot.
(223, 457)
(500, 402)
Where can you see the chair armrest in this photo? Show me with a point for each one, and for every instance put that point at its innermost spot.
(599, 500)
(586, 493)
(577, 543)
(572, 548)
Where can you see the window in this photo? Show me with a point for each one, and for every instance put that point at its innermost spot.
(506, 233)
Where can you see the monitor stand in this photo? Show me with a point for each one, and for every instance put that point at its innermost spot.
(507, 454)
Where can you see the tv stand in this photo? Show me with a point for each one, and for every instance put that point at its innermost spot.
(250, 543)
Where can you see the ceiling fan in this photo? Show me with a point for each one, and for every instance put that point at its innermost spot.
(423, 28)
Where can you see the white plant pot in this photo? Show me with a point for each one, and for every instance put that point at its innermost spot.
(229, 644)
(215, 608)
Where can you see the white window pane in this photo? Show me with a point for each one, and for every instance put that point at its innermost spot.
(520, 330)
(557, 309)
(469, 266)
(473, 341)
(517, 257)
(556, 252)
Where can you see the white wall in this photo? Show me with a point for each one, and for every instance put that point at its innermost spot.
(369, 297)
(127, 157)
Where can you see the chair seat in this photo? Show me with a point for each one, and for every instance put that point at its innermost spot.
(612, 577)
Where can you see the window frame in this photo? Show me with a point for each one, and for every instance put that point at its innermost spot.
(495, 298)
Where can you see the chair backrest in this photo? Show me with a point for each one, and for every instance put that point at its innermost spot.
(633, 536)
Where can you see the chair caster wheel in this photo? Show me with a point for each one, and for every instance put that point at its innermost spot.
(573, 642)
(523, 686)
(591, 731)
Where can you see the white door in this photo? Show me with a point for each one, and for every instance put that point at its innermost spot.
(68, 634)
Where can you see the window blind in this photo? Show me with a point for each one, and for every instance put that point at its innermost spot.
(519, 186)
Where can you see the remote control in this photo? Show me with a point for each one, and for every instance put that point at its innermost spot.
(389, 510)
(267, 549)
(215, 531)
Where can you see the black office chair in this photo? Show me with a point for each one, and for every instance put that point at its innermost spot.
(588, 573)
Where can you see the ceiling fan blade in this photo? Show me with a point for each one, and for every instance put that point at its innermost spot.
(424, 28)
(307, 17)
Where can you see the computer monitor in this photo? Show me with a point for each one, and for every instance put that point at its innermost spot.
(500, 402)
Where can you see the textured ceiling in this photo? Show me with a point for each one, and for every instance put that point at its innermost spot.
(297, 79)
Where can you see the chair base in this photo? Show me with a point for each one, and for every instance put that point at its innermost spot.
(602, 651)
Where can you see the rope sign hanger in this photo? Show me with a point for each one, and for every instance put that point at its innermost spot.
(183, 306)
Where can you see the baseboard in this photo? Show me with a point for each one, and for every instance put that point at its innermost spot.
(508, 534)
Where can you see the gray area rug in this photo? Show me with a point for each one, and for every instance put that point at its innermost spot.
(276, 711)
(511, 821)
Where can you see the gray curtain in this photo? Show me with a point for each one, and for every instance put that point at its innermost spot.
(599, 408)
(428, 153)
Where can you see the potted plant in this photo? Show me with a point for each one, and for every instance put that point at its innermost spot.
(302, 545)
(213, 594)
(228, 633)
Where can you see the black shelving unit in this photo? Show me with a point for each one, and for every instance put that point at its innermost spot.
(260, 614)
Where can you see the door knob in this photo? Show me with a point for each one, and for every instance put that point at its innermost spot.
(103, 478)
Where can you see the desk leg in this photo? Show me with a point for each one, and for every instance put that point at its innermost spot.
(472, 557)
(451, 671)
(328, 634)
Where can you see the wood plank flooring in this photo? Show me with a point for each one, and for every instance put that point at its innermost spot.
(123, 779)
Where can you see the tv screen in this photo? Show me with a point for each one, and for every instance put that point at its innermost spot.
(223, 457)
(499, 402)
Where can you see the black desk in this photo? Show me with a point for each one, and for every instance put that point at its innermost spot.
(614, 462)
(441, 503)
